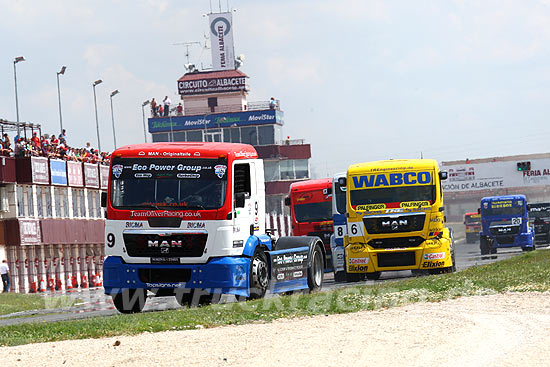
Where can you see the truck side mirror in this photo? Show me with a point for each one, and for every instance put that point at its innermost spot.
(103, 199)
(443, 175)
(342, 181)
(239, 199)
(478, 210)
(287, 201)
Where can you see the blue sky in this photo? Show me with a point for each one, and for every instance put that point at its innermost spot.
(359, 80)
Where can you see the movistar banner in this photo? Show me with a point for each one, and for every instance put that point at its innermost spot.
(162, 124)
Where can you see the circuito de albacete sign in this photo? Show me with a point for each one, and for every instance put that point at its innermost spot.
(212, 85)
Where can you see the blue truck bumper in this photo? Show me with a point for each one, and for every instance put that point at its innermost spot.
(521, 240)
(228, 275)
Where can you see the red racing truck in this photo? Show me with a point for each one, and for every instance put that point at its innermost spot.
(310, 205)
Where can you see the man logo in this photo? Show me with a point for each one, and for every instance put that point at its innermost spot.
(164, 250)
(395, 224)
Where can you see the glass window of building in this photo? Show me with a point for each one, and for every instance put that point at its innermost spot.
(266, 135)
(301, 168)
(48, 212)
(39, 201)
(235, 135)
(271, 171)
(57, 202)
(65, 201)
(30, 202)
(98, 205)
(194, 135)
(20, 202)
(160, 137)
(90, 203)
(226, 135)
(75, 202)
(249, 135)
(4, 201)
(287, 169)
(278, 131)
(82, 203)
(179, 136)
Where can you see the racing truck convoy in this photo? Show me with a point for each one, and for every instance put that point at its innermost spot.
(504, 223)
(539, 215)
(472, 224)
(396, 219)
(310, 210)
(188, 220)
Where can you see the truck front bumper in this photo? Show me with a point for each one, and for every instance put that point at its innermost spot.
(227, 275)
(431, 254)
(521, 240)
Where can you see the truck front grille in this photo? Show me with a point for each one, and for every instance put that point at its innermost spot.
(323, 235)
(394, 223)
(396, 259)
(398, 242)
(175, 245)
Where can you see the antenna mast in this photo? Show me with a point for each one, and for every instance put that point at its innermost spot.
(187, 45)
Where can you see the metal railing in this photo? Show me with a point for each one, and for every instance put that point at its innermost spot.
(249, 106)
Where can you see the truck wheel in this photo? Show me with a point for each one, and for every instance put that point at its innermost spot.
(374, 276)
(130, 300)
(259, 275)
(316, 270)
(483, 247)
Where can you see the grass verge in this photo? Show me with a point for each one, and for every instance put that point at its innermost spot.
(17, 302)
(528, 272)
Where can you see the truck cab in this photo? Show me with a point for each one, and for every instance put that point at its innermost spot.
(505, 224)
(472, 226)
(310, 210)
(188, 220)
(340, 227)
(539, 216)
(396, 218)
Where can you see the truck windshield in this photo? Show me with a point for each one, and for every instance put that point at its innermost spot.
(510, 210)
(393, 195)
(160, 183)
(472, 219)
(313, 212)
(539, 214)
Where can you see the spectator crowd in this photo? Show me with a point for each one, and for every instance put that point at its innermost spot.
(50, 146)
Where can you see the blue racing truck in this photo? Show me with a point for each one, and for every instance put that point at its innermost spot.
(505, 223)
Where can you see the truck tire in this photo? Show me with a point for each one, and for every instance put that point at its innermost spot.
(484, 247)
(259, 275)
(374, 276)
(130, 300)
(316, 270)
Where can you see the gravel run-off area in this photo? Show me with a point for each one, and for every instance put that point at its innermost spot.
(510, 329)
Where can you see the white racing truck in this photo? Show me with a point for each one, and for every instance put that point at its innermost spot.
(188, 220)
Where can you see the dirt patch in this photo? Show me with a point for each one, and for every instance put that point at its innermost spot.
(498, 330)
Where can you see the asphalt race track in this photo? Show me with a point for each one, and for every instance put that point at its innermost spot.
(95, 303)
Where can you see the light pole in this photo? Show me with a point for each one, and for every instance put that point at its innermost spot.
(143, 113)
(99, 81)
(15, 61)
(61, 72)
(114, 93)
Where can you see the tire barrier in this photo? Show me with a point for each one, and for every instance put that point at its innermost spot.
(42, 285)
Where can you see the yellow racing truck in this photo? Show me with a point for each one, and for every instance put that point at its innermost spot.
(396, 219)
